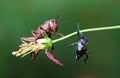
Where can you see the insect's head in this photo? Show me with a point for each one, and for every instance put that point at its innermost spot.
(53, 25)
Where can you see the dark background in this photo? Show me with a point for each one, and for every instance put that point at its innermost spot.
(19, 17)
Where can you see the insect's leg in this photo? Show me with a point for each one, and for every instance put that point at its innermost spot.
(33, 55)
(58, 34)
(78, 31)
(87, 56)
(69, 45)
(23, 39)
(85, 38)
(35, 34)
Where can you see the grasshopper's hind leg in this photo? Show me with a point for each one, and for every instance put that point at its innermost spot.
(23, 39)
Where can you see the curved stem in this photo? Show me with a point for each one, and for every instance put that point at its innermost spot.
(87, 30)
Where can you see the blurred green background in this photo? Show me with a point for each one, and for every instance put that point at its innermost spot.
(19, 17)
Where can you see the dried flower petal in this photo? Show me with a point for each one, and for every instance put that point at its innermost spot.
(51, 57)
(26, 48)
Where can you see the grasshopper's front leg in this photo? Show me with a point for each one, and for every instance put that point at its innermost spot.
(35, 34)
(58, 34)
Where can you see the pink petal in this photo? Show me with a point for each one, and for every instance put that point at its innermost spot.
(51, 57)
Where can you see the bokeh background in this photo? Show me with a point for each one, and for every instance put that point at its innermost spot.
(19, 17)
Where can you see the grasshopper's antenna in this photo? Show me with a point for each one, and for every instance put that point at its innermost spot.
(57, 17)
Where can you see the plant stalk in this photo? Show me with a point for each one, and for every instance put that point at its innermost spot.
(87, 30)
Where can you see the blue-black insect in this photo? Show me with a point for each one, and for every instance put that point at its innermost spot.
(81, 46)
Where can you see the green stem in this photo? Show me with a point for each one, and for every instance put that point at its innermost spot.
(86, 30)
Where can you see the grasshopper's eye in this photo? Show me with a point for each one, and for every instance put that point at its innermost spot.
(52, 21)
